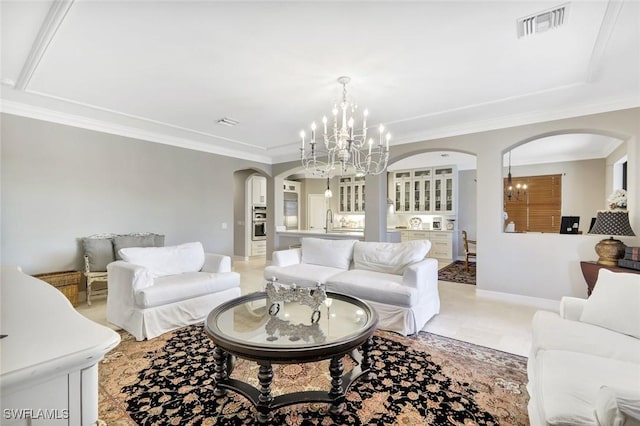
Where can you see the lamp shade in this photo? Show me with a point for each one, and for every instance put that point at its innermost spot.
(612, 222)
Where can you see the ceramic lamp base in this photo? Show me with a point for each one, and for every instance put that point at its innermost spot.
(609, 251)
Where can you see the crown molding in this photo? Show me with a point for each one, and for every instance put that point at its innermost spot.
(55, 17)
(44, 114)
(606, 29)
(620, 103)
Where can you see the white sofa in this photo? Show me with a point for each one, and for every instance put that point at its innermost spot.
(395, 278)
(584, 367)
(157, 289)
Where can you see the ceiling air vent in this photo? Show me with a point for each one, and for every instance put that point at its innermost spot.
(543, 21)
(226, 121)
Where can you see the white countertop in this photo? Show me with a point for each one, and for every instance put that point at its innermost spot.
(339, 233)
(307, 232)
(424, 230)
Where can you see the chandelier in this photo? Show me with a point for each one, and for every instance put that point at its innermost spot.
(343, 149)
(510, 193)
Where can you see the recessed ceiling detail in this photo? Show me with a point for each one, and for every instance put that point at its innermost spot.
(543, 21)
(164, 80)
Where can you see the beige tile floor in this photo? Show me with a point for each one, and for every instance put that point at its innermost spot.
(463, 315)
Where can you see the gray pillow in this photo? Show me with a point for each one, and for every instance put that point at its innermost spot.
(123, 241)
(100, 253)
(159, 240)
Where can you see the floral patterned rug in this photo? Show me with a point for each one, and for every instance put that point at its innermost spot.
(457, 273)
(424, 379)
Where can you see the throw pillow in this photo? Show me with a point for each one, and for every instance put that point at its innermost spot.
(389, 258)
(124, 241)
(334, 253)
(163, 261)
(100, 253)
(615, 303)
(158, 240)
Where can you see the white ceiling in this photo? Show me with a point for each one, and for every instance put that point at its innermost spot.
(166, 71)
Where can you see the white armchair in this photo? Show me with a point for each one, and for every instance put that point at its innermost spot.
(157, 289)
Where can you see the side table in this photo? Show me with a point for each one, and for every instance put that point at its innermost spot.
(590, 271)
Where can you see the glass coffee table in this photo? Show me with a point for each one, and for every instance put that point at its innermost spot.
(252, 328)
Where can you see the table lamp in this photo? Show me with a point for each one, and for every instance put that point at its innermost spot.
(612, 223)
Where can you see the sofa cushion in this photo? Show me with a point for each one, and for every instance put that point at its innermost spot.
(617, 408)
(302, 275)
(615, 303)
(175, 288)
(374, 286)
(125, 241)
(162, 261)
(389, 258)
(566, 384)
(333, 253)
(99, 251)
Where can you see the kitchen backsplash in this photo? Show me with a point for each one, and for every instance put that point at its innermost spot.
(394, 220)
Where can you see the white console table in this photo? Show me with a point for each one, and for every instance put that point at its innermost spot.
(49, 357)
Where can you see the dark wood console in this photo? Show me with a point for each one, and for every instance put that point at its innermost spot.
(590, 271)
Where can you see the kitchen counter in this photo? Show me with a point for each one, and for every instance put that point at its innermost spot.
(291, 238)
(311, 233)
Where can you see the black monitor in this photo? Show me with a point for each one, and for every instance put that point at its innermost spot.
(569, 224)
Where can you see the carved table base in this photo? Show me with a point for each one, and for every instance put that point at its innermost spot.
(263, 400)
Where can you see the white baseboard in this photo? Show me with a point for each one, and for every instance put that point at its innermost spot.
(535, 302)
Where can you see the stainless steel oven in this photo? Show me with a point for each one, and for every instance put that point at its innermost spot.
(259, 223)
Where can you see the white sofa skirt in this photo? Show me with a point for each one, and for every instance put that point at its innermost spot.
(152, 322)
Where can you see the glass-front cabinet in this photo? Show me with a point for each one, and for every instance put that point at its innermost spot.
(402, 190)
(426, 190)
(351, 194)
(444, 194)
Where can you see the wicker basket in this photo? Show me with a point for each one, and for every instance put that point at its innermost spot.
(66, 281)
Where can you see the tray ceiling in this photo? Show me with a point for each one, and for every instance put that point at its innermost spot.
(167, 71)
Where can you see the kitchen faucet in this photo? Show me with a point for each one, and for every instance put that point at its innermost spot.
(328, 220)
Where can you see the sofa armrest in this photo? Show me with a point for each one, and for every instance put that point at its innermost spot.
(287, 257)
(422, 274)
(125, 279)
(216, 263)
(571, 308)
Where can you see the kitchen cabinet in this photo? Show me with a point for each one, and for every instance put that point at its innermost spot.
(402, 183)
(427, 190)
(259, 190)
(443, 190)
(291, 186)
(442, 242)
(258, 248)
(351, 194)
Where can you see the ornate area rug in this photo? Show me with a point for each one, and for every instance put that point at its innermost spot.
(420, 380)
(456, 272)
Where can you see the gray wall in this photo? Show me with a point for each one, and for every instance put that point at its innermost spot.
(61, 183)
(467, 207)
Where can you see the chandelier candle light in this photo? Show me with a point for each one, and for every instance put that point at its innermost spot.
(342, 148)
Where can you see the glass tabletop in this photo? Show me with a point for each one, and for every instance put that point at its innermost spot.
(253, 320)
